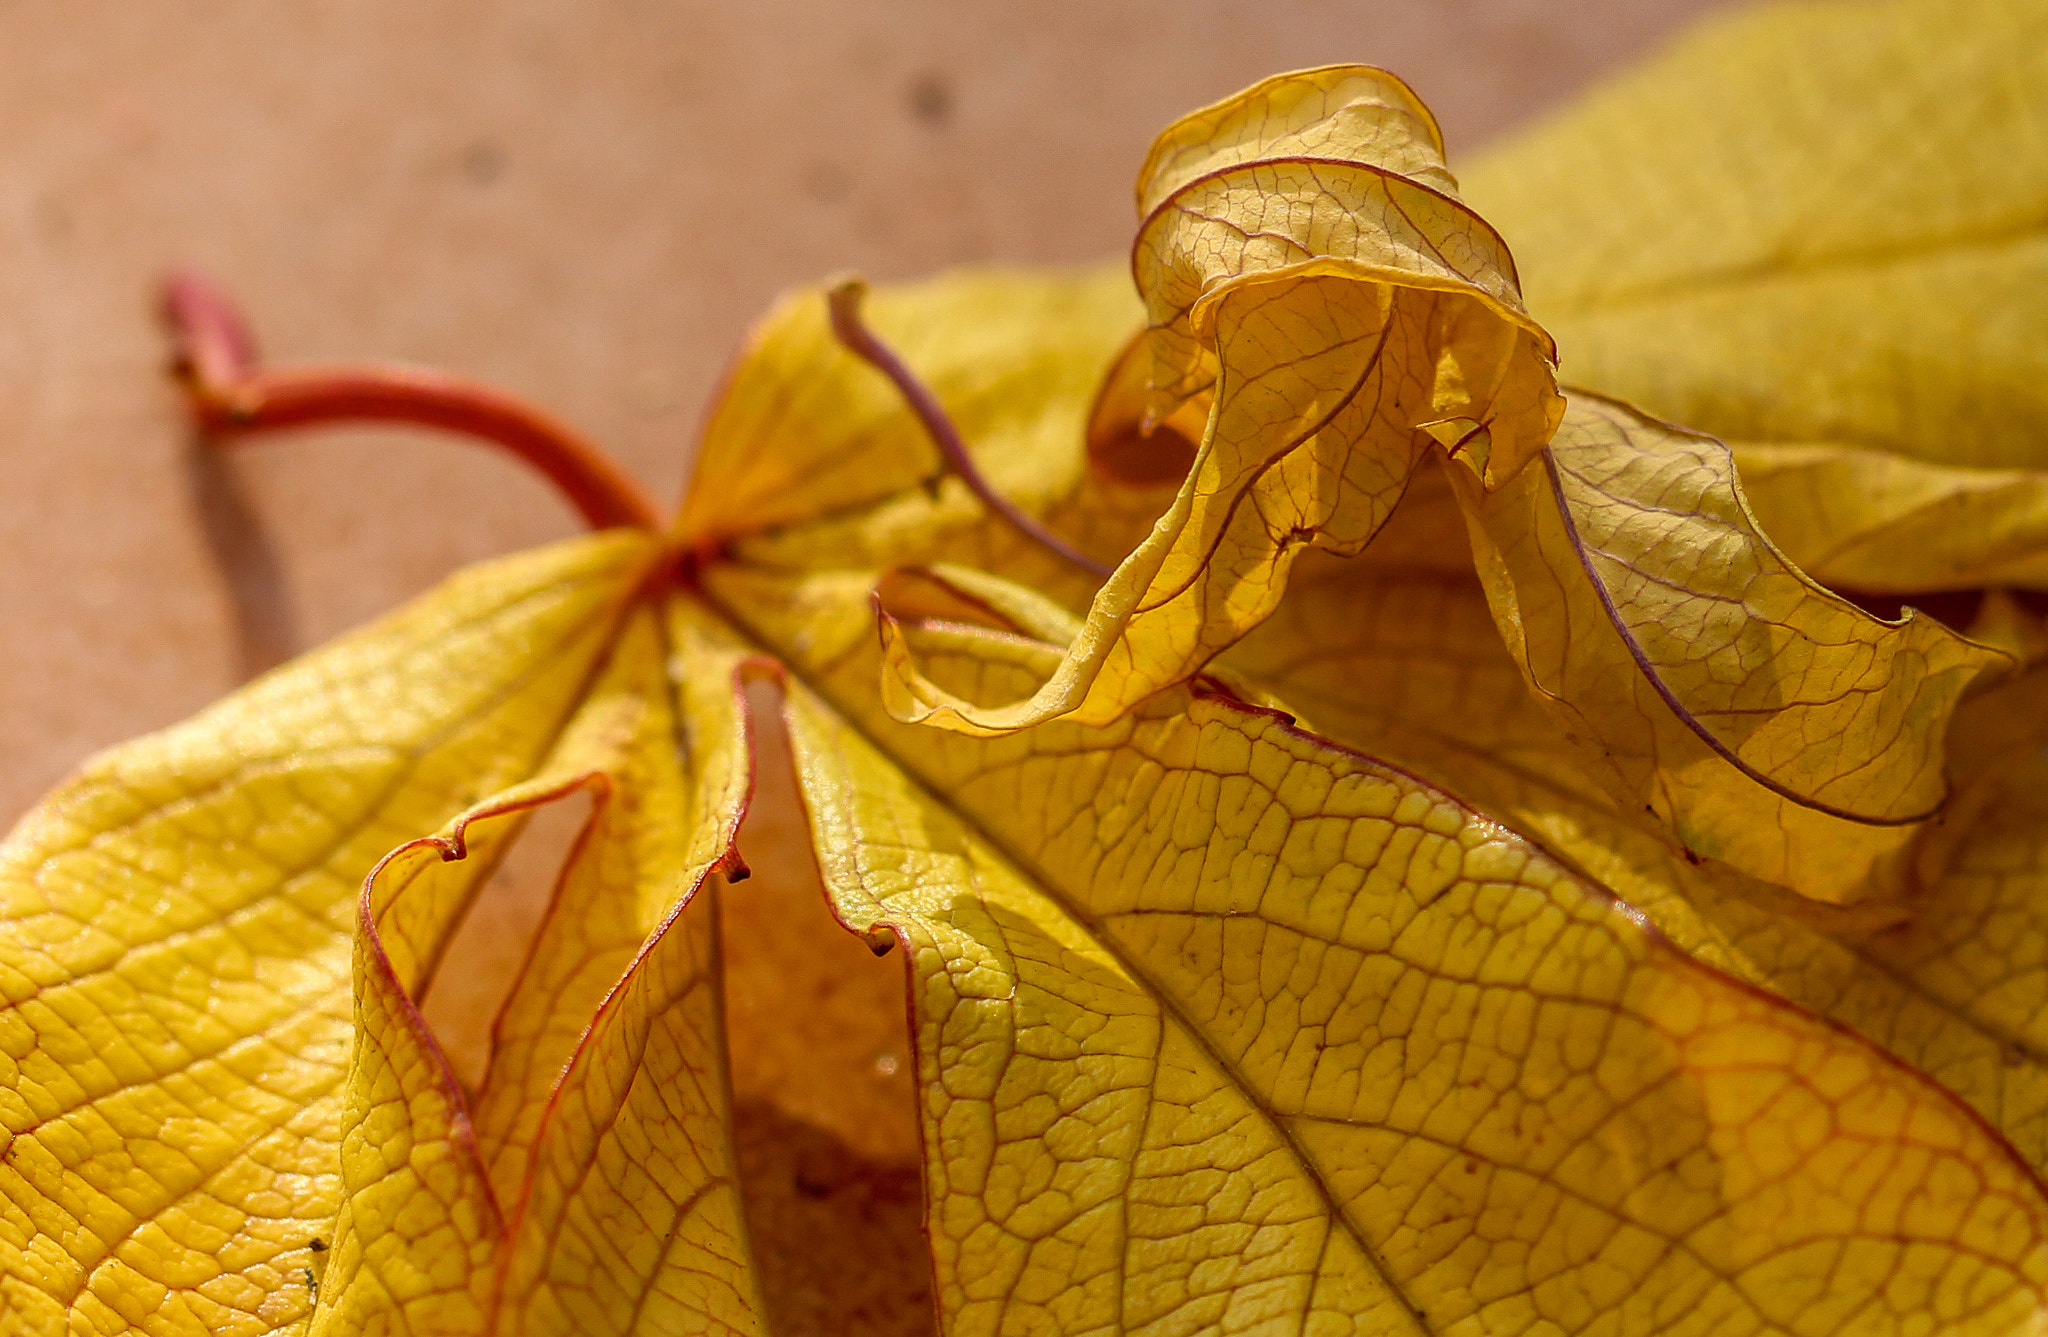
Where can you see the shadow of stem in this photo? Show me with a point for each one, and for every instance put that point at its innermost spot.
(266, 632)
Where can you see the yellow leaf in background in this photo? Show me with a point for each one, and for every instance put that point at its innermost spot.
(1301, 259)
(1873, 521)
(1772, 724)
(802, 430)
(1816, 221)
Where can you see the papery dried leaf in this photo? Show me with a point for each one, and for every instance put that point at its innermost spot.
(1370, 660)
(178, 925)
(1301, 253)
(1807, 222)
(1221, 1025)
(1409, 665)
(1546, 791)
(1772, 724)
(1873, 521)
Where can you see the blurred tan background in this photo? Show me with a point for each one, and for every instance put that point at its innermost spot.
(585, 203)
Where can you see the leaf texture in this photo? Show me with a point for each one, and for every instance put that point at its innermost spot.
(1409, 665)
(1220, 1025)
(178, 926)
(1301, 253)
(1771, 723)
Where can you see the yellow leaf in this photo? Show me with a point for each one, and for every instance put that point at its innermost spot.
(1772, 724)
(176, 929)
(595, 1193)
(803, 431)
(1408, 665)
(1221, 1025)
(1465, 701)
(1873, 521)
(1301, 255)
(1806, 222)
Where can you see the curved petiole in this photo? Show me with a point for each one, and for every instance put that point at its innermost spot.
(233, 396)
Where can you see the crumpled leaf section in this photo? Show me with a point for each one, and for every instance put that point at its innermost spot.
(1772, 724)
(1304, 261)
(593, 1191)
(221, 1113)
(1221, 1027)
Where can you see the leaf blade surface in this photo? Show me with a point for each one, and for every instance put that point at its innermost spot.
(180, 927)
(1774, 725)
(1170, 852)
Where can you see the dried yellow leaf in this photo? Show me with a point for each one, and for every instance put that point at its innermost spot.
(1304, 260)
(1223, 1025)
(1771, 723)
(1686, 1015)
